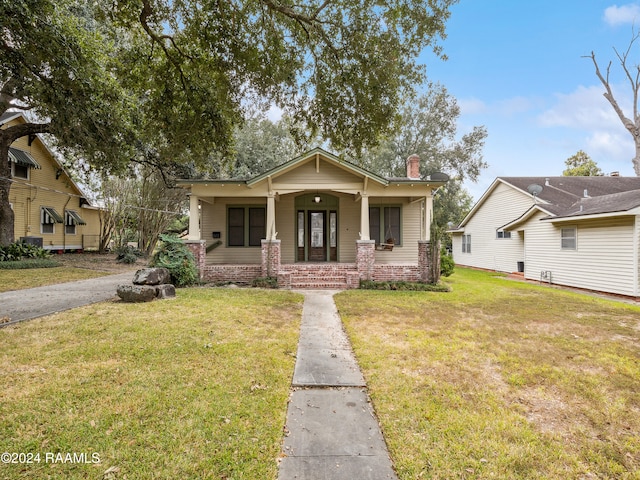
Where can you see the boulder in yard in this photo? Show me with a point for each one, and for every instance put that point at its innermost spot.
(152, 276)
(136, 293)
(165, 291)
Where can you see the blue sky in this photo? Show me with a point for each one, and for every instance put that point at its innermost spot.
(517, 68)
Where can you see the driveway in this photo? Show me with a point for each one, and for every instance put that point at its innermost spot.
(36, 302)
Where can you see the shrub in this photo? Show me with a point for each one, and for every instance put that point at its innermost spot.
(18, 251)
(174, 255)
(403, 285)
(265, 282)
(28, 263)
(128, 254)
(446, 263)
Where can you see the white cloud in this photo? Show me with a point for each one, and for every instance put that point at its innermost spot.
(599, 130)
(585, 109)
(621, 15)
(472, 106)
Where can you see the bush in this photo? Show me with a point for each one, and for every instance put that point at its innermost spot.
(446, 263)
(28, 263)
(18, 251)
(127, 254)
(174, 255)
(265, 282)
(403, 285)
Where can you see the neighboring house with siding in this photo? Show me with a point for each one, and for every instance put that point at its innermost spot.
(576, 231)
(48, 206)
(316, 220)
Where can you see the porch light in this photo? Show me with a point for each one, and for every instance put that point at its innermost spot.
(317, 199)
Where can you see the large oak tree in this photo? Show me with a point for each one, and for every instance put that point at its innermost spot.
(167, 80)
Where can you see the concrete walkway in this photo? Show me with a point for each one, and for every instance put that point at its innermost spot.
(36, 302)
(331, 431)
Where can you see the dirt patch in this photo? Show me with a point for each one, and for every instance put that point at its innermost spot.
(101, 262)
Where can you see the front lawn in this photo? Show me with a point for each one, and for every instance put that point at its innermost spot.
(195, 387)
(501, 379)
(38, 277)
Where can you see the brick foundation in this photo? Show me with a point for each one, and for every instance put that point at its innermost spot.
(232, 273)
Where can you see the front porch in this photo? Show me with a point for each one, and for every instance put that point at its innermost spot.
(322, 275)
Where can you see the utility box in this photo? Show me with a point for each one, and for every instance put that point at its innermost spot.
(37, 241)
(520, 267)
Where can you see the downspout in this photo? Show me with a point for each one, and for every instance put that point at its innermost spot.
(64, 225)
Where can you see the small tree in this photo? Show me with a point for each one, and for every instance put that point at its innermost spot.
(581, 165)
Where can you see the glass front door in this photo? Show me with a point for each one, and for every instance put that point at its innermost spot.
(317, 235)
(317, 243)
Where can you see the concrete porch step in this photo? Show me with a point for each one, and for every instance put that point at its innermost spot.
(320, 282)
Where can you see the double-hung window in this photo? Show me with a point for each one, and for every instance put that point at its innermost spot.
(384, 224)
(568, 238)
(246, 226)
(466, 243)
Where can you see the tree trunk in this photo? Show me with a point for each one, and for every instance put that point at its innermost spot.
(636, 159)
(6, 212)
(7, 137)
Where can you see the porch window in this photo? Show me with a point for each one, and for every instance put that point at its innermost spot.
(246, 226)
(384, 224)
(568, 238)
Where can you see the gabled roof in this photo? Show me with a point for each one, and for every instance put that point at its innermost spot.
(568, 197)
(331, 158)
(438, 179)
(21, 156)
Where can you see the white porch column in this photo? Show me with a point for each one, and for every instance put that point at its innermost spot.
(194, 218)
(428, 216)
(271, 217)
(364, 217)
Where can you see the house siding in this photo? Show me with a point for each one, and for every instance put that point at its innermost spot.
(214, 219)
(325, 177)
(411, 227)
(42, 189)
(603, 259)
(503, 205)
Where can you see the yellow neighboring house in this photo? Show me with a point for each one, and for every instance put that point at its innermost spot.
(49, 208)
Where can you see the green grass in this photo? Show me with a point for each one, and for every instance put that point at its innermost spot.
(501, 379)
(195, 387)
(38, 277)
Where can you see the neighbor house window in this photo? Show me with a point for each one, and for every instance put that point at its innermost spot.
(71, 219)
(503, 234)
(19, 171)
(466, 243)
(568, 238)
(246, 226)
(48, 218)
(384, 225)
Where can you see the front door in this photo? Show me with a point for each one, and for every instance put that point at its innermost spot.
(317, 236)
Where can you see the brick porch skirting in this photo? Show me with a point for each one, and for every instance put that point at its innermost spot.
(232, 273)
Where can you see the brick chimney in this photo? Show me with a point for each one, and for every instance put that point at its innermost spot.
(413, 167)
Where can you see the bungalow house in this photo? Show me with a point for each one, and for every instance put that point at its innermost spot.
(315, 221)
(581, 232)
(49, 208)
